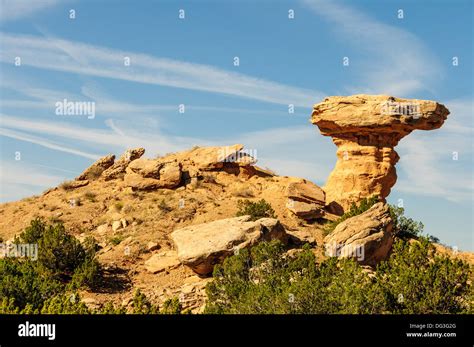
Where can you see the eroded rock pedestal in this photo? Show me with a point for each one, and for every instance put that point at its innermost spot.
(366, 128)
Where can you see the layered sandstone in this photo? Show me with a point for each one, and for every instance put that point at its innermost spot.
(366, 237)
(366, 128)
(202, 246)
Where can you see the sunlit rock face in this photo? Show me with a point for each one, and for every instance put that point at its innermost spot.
(365, 129)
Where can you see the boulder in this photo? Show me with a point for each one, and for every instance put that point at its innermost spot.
(202, 246)
(305, 199)
(76, 184)
(102, 229)
(117, 170)
(95, 170)
(213, 158)
(149, 174)
(152, 246)
(116, 225)
(366, 237)
(162, 262)
(209, 158)
(366, 128)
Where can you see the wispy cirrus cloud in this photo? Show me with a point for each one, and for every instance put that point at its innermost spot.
(44, 143)
(11, 10)
(394, 61)
(20, 179)
(80, 58)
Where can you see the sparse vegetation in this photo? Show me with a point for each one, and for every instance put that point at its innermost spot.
(118, 206)
(94, 173)
(141, 304)
(163, 206)
(91, 196)
(127, 209)
(116, 240)
(67, 185)
(172, 306)
(256, 210)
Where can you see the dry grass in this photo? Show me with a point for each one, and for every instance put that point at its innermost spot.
(67, 185)
(90, 196)
(118, 206)
(94, 173)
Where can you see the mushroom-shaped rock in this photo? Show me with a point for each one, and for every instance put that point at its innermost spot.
(366, 128)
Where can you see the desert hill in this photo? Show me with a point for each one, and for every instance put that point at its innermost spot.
(162, 223)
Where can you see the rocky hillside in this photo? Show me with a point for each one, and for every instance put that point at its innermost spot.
(163, 223)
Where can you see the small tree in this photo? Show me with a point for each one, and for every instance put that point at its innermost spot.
(405, 227)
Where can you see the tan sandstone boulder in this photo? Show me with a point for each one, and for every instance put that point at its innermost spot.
(117, 170)
(96, 169)
(149, 174)
(202, 246)
(366, 128)
(305, 199)
(367, 237)
(162, 262)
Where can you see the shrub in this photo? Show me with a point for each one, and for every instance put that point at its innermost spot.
(266, 280)
(90, 196)
(417, 281)
(116, 240)
(22, 283)
(64, 304)
(172, 306)
(67, 185)
(354, 210)
(404, 227)
(60, 252)
(118, 206)
(94, 173)
(141, 304)
(62, 263)
(255, 210)
(87, 274)
(163, 206)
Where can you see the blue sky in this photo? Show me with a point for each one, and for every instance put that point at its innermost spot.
(190, 61)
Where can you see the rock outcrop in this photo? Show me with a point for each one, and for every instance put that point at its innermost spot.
(97, 168)
(117, 170)
(202, 246)
(305, 199)
(366, 128)
(231, 159)
(149, 174)
(367, 237)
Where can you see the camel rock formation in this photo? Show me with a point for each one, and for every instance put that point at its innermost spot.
(366, 128)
